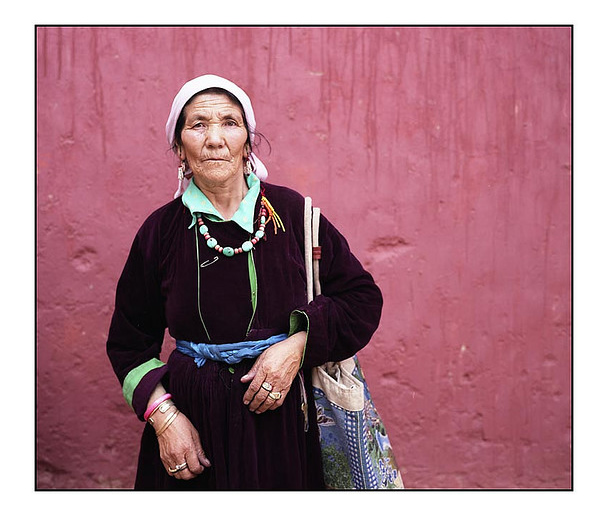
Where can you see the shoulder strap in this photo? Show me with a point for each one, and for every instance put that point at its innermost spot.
(308, 248)
(316, 249)
(312, 250)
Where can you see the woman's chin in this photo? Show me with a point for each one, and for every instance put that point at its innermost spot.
(217, 173)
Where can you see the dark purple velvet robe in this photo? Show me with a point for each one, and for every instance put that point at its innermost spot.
(158, 289)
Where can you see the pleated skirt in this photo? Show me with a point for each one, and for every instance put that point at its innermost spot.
(247, 451)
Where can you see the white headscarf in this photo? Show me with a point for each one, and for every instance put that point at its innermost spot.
(189, 90)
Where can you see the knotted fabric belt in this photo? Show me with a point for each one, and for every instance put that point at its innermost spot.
(230, 353)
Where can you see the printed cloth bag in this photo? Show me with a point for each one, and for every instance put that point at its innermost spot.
(356, 451)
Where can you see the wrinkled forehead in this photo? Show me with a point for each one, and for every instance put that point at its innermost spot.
(221, 104)
(217, 95)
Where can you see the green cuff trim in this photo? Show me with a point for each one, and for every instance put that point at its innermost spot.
(134, 377)
(299, 322)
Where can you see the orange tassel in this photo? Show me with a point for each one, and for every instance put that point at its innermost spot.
(277, 222)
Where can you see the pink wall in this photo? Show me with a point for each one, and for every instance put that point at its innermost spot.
(444, 156)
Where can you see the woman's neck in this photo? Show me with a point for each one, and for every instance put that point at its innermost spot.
(226, 197)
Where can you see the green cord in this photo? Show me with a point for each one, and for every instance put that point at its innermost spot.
(198, 267)
(253, 287)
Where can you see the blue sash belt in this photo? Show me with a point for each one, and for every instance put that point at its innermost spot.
(230, 353)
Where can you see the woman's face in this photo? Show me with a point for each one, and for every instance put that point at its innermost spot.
(213, 139)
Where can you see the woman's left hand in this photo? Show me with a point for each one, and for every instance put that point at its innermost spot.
(276, 369)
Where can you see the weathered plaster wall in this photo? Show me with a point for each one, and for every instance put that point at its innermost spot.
(443, 155)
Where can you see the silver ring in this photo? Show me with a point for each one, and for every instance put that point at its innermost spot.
(275, 395)
(178, 467)
(267, 386)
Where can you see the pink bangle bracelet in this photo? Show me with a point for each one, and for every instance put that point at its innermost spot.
(155, 405)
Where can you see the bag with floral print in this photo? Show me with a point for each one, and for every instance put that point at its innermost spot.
(356, 451)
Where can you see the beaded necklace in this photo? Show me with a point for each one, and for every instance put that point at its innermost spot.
(265, 214)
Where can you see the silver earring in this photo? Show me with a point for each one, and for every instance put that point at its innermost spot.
(181, 171)
(248, 167)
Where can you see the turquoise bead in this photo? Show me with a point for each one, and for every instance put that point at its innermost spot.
(247, 246)
(203, 229)
(228, 251)
(263, 220)
(259, 234)
(211, 242)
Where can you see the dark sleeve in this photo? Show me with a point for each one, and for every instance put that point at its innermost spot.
(345, 316)
(138, 324)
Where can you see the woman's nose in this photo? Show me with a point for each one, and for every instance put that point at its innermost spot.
(214, 135)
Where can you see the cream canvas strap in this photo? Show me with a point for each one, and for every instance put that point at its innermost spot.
(308, 234)
(335, 379)
(312, 250)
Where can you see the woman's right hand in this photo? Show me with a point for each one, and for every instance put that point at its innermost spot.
(180, 443)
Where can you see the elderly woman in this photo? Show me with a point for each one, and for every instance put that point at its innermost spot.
(222, 267)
